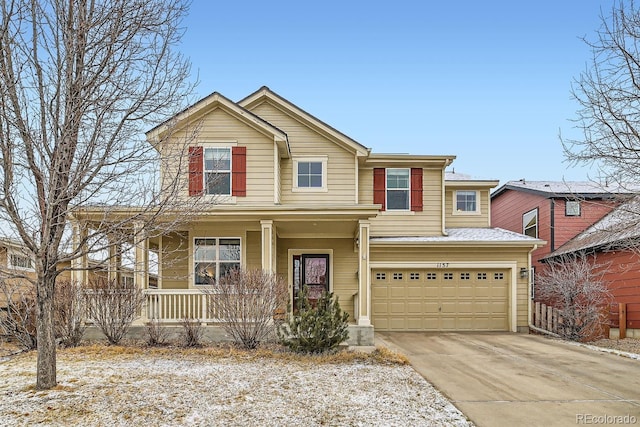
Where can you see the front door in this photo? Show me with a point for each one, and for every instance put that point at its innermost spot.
(312, 271)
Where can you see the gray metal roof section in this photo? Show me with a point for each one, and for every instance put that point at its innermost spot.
(494, 235)
(620, 225)
(582, 189)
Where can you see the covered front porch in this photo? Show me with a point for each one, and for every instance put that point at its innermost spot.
(328, 250)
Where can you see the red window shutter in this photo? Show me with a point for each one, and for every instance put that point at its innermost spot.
(379, 187)
(195, 171)
(239, 171)
(416, 189)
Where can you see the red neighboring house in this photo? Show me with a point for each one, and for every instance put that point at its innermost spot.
(554, 211)
(613, 242)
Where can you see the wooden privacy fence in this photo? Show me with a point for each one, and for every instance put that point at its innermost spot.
(547, 318)
(624, 316)
(620, 315)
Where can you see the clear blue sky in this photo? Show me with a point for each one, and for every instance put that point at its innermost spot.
(487, 81)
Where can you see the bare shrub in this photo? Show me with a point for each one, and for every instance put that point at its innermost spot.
(113, 305)
(247, 301)
(69, 310)
(573, 284)
(191, 332)
(18, 321)
(157, 334)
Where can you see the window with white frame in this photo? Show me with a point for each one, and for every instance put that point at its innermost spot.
(530, 223)
(214, 258)
(310, 174)
(466, 202)
(217, 170)
(20, 261)
(398, 189)
(572, 208)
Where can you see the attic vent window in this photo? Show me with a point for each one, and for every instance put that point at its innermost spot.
(572, 208)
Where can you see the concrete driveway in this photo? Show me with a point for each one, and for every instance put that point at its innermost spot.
(508, 379)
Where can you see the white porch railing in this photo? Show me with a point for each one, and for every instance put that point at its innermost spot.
(174, 305)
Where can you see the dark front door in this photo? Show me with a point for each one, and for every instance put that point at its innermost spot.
(312, 271)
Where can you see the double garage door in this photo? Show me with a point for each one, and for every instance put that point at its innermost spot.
(440, 299)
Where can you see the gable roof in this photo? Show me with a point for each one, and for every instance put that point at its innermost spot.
(264, 94)
(620, 225)
(566, 189)
(212, 102)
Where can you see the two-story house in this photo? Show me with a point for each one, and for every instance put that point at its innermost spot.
(402, 243)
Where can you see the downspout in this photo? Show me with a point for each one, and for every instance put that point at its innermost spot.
(443, 217)
(553, 224)
(529, 314)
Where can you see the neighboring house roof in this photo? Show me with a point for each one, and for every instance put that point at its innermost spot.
(620, 225)
(264, 94)
(581, 189)
(464, 235)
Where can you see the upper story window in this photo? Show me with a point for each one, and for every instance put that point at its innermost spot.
(214, 258)
(218, 169)
(530, 223)
(398, 189)
(309, 174)
(572, 208)
(20, 261)
(466, 202)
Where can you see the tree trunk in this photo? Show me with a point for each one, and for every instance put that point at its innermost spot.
(46, 365)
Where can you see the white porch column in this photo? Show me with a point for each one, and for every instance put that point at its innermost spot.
(268, 245)
(141, 265)
(364, 275)
(141, 269)
(79, 265)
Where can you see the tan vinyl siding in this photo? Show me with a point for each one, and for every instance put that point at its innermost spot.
(344, 263)
(253, 250)
(175, 261)
(219, 127)
(303, 141)
(407, 223)
(466, 220)
(497, 255)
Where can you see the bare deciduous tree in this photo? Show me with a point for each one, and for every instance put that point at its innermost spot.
(608, 93)
(573, 284)
(246, 301)
(79, 80)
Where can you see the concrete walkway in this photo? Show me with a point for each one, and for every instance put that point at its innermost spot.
(507, 379)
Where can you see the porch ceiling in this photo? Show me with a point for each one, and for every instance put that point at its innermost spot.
(317, 228)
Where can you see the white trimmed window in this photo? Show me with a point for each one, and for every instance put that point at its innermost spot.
(214, 258)
(217, 170)
(20, 261)
(466, 202)
(398, 189)
(309, 174)
(530, 223)
(572, 208)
